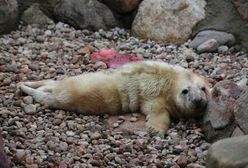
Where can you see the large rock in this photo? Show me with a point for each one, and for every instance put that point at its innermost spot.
(33, 15)
(3, 158)
(167, 20)
(219, 120)
(241, 111)
(85, 14)
(8, 15)
(228, 153)
(122, 6)
(222, 38)
(221, 15)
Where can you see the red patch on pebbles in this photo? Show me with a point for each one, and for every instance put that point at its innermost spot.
(114, 59)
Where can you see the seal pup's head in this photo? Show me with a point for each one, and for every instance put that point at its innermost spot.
(192, 94)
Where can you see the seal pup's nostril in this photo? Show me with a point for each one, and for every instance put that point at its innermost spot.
(198, 102)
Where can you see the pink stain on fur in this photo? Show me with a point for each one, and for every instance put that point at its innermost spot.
(113, 59)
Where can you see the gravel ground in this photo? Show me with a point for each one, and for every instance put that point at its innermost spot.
(39, 137)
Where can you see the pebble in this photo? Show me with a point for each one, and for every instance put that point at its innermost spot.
(194, 165)
(51, 145)
(63, 146)
(28, 100)
(70, 133)
(11, 68)
(21, 40)
(6, 81)
(100, 65)
(95, 135)
(189, 58)
(223, 49)
(115, 125)
(70, 140)
(20, 154)
(80, 127)
(208, 46)
(182, 161)
(133, 119)
(57, 121)
(40, 38)
(30, 109)
(48, 33)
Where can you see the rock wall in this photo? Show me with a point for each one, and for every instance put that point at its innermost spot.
(83, 14)
(169, 21)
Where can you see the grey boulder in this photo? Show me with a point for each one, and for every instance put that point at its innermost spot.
(8, 15)
(228, 153)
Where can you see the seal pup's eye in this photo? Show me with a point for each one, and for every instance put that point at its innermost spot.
(185, 91)
(203, 89)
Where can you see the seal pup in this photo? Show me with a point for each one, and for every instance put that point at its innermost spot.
(157, 89)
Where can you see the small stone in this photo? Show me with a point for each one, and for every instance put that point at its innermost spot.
(189, 58)
(185, 65)
(21, 40)
(30, 109)
(71, 125)
(60, 115)
(175, 166)
(223, 49)
(237, 132)
(205, 146)
(100, 65)
(20, 154)
(189, 54)
(62, 125)
(80, 127)
(51, 145)
(177, 150)
(40, 38)
(133, 119)
(208, 46)
(48, 33)
(96, 135)
(182, 161)
(11, 68)
(70, 133)
(121, 117)
(110, 156)
(57, 121)
(63, 165)
(63, 146)
(59, 25)
(7, 81)
(70, 140)
(115, 125)
(95, 163)
(194, 165)
(118, 160)
(28, 99)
